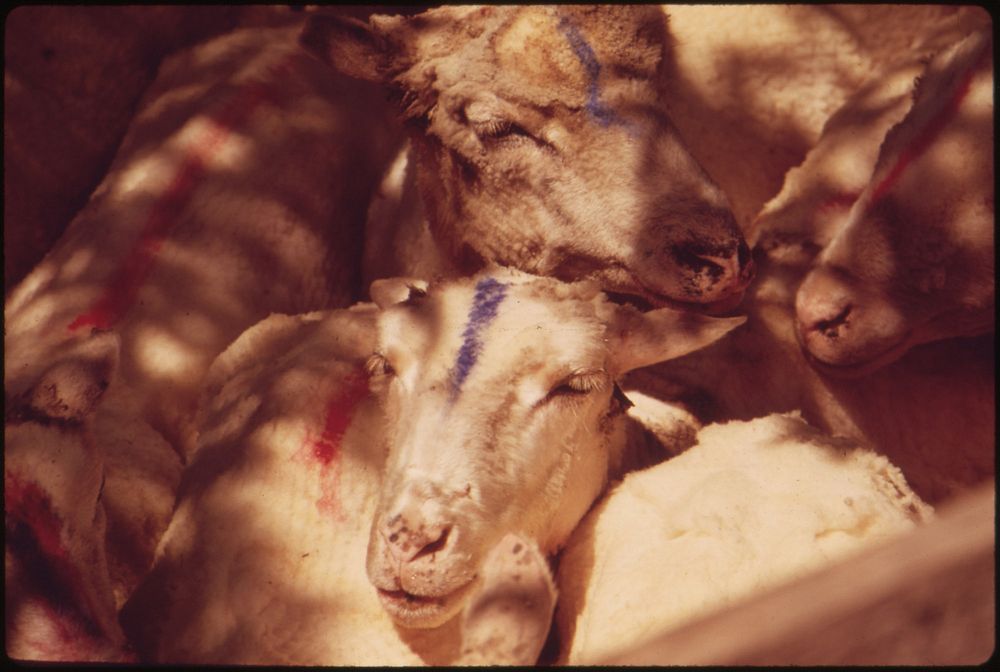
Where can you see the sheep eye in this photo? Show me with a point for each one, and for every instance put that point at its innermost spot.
(378, 365)
(497, 129)
(579, 383)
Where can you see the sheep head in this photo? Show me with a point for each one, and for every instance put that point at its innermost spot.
(503, 417)
(540, 143)
(914, 263)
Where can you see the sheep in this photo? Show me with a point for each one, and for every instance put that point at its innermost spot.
(244, 155)
(913, 262)
(342, 506)
(561, 163)
(908, 409)
(750, 506)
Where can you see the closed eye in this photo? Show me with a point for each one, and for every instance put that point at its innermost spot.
(498, 129)
(579, 384)
(377, 365)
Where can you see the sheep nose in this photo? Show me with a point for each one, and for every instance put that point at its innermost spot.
(823, 310)
(410, 536)
(720, 270)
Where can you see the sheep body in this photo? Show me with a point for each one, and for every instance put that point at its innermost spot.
(751, 505)
(243, 155)
(210, 114)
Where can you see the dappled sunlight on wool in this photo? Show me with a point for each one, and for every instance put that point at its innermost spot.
(197, 327)
(211, 277)
(236, 152)
(848, 163)
(392, 185)
(296, 384)
(149, 174)
(161, 353)
(240, 410)
(181, 96)
(76, 265)
(312, 115)
(36, 281)
(50, 310)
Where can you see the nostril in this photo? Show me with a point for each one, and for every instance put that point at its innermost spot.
(830, 328)
(434, 546)
(742, 254)
(698, 259)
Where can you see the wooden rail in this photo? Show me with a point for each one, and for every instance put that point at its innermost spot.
(924, 599)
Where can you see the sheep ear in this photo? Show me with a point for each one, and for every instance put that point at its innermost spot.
(352, 47)
(71, 388)
(390, 291)
(507, 617)
(637, 339)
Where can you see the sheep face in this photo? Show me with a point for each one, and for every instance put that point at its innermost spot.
(503, 417)
(914, 261)
(539, 143)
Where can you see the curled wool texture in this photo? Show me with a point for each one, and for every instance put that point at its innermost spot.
(751, 505)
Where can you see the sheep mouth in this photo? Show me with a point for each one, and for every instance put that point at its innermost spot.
(647, 301)
(641, 296)
(858, 367)
(422, 611)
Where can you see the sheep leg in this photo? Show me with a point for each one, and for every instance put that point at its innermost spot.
(507, 621)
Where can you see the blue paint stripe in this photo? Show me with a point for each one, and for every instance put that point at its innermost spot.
(490, 293)
(585, 53)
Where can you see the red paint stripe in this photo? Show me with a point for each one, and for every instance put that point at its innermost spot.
(121, 291)
(28, 506)
(325, 449)
(26, 503)
(930, 133)
(339, 413)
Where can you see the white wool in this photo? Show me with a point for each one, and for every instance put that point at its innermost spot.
(751, 505)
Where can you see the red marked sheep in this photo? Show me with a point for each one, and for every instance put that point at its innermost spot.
(320, 524)
(239, 190)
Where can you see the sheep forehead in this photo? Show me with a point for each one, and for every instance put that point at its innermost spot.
(538, 326)
(533, 53)
(535, 31)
